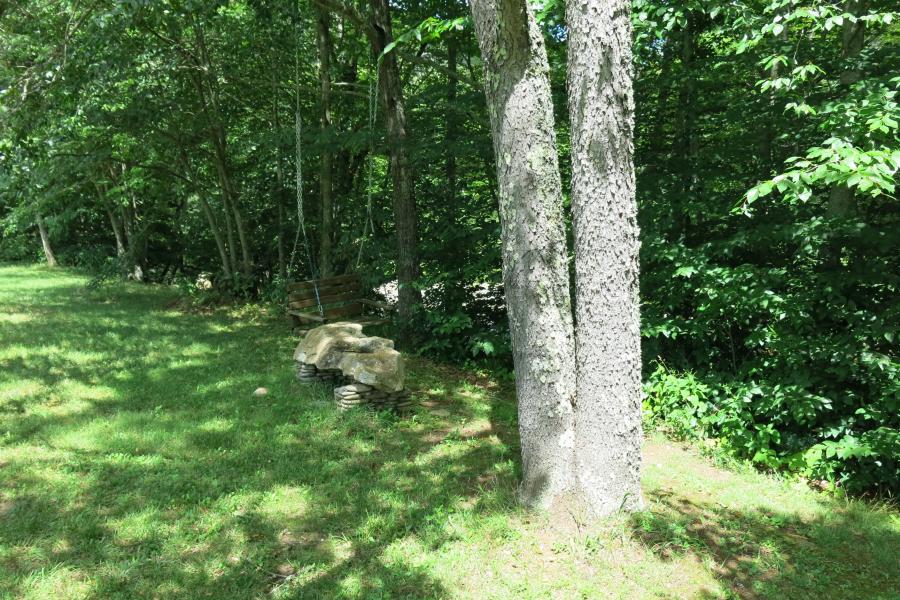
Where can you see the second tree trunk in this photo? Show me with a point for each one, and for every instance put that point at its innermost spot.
(608, 432)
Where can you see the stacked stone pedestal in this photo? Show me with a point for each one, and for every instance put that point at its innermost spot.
(360, 394)
(365, 371)
(309, 373)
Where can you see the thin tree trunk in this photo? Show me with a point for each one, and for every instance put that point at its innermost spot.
(770, 127)
(686, 138)
(657, 143)
(279, 174)
(450, 118)
(405, 215)
(117, 231)
(129, 225)
(608, 432)
(841, 198)
(223, 186)
(126, 225)
(453, 291)
(326, 186)
(535, 271)
(219, 141)
(45, 242)
(113, 221)
(229, 197)
(282, 263)
(217, 235)
(226, 261)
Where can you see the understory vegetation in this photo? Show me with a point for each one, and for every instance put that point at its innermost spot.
(164, 142)
(135, 463)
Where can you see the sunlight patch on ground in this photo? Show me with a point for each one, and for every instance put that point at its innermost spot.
(57, 582)
(15, 318)
(135, 463)
(21, 389)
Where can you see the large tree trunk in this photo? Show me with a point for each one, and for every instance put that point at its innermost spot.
(326, 185)
(405, 216)
(45, 242)
(608, 432)
(535, 272)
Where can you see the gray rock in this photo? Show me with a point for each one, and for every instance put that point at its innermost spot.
(357, 387)
(341, 348)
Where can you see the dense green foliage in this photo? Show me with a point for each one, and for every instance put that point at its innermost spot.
(134, 463)
(767, 153)
(785, 310)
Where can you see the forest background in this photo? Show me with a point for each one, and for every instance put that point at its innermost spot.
(164, 142)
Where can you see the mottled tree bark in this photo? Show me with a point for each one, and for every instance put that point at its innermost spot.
(608, 432)
(535, 272)
(45, 242)
(326, 185)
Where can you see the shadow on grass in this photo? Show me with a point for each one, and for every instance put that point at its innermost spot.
(842, 553)
(140, 466)
(135, 463)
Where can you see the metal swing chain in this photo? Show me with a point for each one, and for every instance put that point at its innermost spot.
(373, 113)
(369, 224)
(301, 220)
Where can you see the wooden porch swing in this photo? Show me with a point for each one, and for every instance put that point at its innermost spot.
(319, 301)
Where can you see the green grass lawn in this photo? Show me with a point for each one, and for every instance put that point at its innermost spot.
(134, 463)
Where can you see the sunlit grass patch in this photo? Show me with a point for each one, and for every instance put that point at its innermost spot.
(134, 463)
(14, 318)
(57, 582)
(20, 390)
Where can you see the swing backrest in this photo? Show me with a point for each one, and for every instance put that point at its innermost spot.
(340, 298)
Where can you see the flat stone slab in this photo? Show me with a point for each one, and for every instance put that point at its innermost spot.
(371, 361)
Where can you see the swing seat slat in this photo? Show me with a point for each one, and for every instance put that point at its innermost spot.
(340, 299)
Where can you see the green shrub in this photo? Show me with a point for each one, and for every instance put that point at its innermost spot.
(779, 427)
(17, 247)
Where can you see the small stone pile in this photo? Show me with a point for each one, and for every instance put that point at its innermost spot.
(360, 394)
(309, 373)
(365, 371)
